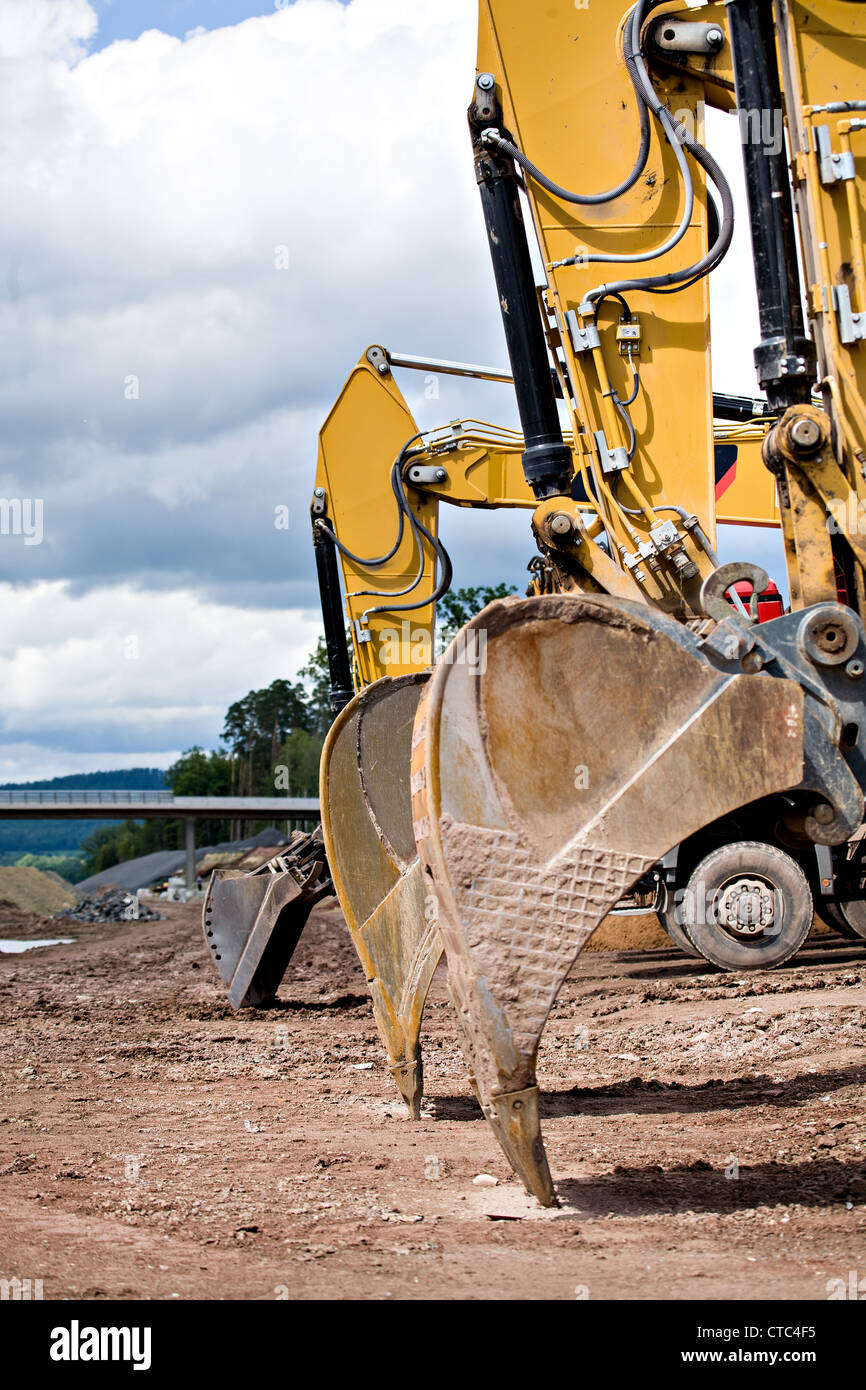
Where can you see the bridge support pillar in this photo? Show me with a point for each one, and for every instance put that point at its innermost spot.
(189, 828)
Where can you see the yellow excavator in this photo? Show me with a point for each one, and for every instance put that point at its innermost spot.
(646, 726)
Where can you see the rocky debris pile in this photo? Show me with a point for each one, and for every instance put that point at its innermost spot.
(112, 905)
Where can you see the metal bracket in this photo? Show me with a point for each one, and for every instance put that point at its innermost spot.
(378, 358)
(852, 327)
(835, 168)
(362, 634)
(421, 473)
(665, 534)
(687, 36)
(612, 460)
(319, 504)
(582, 339)
(826, 872)
(628, 336)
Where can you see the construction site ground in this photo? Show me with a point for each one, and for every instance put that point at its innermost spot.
(706, 1131)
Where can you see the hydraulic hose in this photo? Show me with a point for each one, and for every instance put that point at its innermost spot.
(630, 179)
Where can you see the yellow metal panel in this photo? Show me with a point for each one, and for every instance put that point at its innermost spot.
(745, 488)
(568, 102)
(363, 434)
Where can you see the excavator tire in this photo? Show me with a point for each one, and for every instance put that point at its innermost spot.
(670, 923)
(854, 916)
(749, 906)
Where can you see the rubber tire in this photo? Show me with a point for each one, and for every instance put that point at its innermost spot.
(762, 953)
(677, 933)
(831, 913)
(854, 914)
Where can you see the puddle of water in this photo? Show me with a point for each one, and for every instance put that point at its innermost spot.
(14, 947)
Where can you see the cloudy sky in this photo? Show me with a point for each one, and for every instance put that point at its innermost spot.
(163, 380)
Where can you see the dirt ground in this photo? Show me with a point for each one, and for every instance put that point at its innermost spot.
(706, 1131)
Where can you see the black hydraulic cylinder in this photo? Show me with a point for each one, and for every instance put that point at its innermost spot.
(547, 460)
(332, 616)
(785, 357)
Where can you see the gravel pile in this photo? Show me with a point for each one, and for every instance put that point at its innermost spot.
(33, 890)
(113, 905)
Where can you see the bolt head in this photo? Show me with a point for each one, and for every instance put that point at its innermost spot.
(486, 81)
(715, 38)
(823, 813)
(805, 433)
(854, 670)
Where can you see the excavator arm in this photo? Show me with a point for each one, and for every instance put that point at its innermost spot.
(629, 726)
(465, 463)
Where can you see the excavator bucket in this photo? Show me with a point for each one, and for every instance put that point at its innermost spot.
(253, 919)
(367, 827)
(593, 736)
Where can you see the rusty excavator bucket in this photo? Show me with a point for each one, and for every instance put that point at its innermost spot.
(367, 826)
(253, 919)
(547, 779)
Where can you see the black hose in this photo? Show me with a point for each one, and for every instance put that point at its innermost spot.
(404, 514)
(677, 278)
(632, 437)
(396, 467)
(643, 152)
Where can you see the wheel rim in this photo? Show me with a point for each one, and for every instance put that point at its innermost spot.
(748, 907)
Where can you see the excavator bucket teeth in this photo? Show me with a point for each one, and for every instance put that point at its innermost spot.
(367, 826)
(592, 737)
(253, 919)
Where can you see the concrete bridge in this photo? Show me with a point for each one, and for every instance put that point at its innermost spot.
(155, 805)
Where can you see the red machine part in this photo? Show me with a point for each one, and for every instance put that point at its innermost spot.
(769, 602)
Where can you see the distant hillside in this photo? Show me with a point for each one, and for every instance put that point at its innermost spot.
(65, 836)
(128, 779)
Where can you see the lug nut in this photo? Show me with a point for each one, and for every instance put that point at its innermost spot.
(805, 433)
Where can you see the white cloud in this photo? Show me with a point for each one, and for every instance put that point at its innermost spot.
(45, 29)
(148, 672)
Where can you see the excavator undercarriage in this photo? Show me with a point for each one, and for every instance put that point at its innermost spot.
(629, 727)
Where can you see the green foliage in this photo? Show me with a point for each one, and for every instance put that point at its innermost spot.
(459, 605)
(318, 677)
(254, 729)
(197, 773)
(68, 866)
(297, 768)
